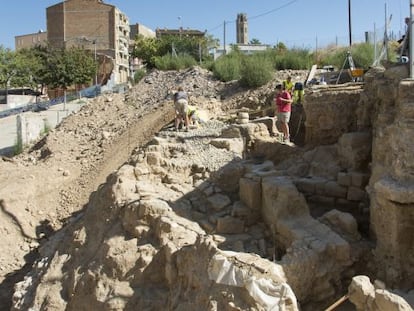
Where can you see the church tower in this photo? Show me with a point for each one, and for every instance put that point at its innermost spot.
(241, 24)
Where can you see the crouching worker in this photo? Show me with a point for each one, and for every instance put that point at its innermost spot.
(194, 116)
(181, 108)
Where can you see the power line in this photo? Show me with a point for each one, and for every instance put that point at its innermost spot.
(274, 10)
(256, 16)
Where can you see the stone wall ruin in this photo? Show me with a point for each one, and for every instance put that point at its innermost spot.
(265, 225)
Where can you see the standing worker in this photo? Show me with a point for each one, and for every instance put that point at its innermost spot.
(181, 108)
(298, 93)
(288, 85)
(284, 107)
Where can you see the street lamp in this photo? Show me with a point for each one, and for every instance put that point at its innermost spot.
(349, 23)
(94, 53)
(181, 25)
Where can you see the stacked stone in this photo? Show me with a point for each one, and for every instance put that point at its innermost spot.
(243, 117)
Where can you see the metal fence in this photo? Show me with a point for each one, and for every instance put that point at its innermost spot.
(89, 92)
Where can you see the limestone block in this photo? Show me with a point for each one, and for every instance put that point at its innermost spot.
(218, 201)
(385, 300)
(280, 199)
(207, 226)
(396, 191)
(154, 148)
(245, 213)
(250, 192)
(121, 255)
(231, 132)
(238, 246)
(231, 144)
(153, 158)
(227, 178)
(322, 199)
(354, 149)
(333, 189)
(342, 223)
(208, 190)
(239, 209)
(361, 292)
(229, 224)
(356, 194)
(323, 162)
(242, 121)
(344, 179)
(359, 179)
(155, 207)
(306, 185)
(320, 186)
(269, 122)
(141, 170)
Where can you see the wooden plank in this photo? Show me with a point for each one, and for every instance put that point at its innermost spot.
(337, 303)
(311, 74)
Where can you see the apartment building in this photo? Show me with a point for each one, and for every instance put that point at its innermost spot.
(30, 40)
(97, 26)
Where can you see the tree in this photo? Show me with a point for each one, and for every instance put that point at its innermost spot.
(255, 41)
(15, 69)
(68, 67)
(281, 47)
(35, 60)
(8, 66)
(151, 49)
(146, 49)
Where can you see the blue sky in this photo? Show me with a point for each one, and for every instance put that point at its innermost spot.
(297, 23)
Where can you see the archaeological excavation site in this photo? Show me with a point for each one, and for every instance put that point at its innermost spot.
(115, 210)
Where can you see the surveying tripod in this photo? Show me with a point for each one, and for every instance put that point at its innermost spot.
(350, 61)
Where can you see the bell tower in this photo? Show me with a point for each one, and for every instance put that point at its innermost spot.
(241, 24)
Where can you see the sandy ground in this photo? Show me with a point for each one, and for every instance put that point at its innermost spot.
(41, 189)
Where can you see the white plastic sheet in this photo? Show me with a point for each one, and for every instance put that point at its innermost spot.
(272, 296)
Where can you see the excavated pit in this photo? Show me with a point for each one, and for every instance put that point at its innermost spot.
(227, 217)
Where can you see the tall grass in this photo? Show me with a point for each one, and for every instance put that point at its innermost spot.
(228, 67)
(170, 62)
(256, 70)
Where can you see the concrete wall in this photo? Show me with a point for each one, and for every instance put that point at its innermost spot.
(27, 127)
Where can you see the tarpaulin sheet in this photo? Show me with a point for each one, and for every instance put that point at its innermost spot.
(272, 296)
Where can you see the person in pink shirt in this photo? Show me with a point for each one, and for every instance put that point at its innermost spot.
(283, 101)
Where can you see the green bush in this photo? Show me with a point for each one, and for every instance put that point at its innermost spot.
(362, 55)
(295, 59)
(228, 67)
(169, 62)
(139, 74)
(256, 70)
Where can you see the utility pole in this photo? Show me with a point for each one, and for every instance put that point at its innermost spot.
(224, 37)
(410, 40)
(349, 23)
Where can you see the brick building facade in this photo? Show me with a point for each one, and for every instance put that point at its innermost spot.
(30, 40)
(94, 25)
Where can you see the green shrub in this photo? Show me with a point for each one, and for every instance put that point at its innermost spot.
(139, 74)
(362, 55)
(256, 70)
(169, 62)
(228, 67)
(295, 59)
